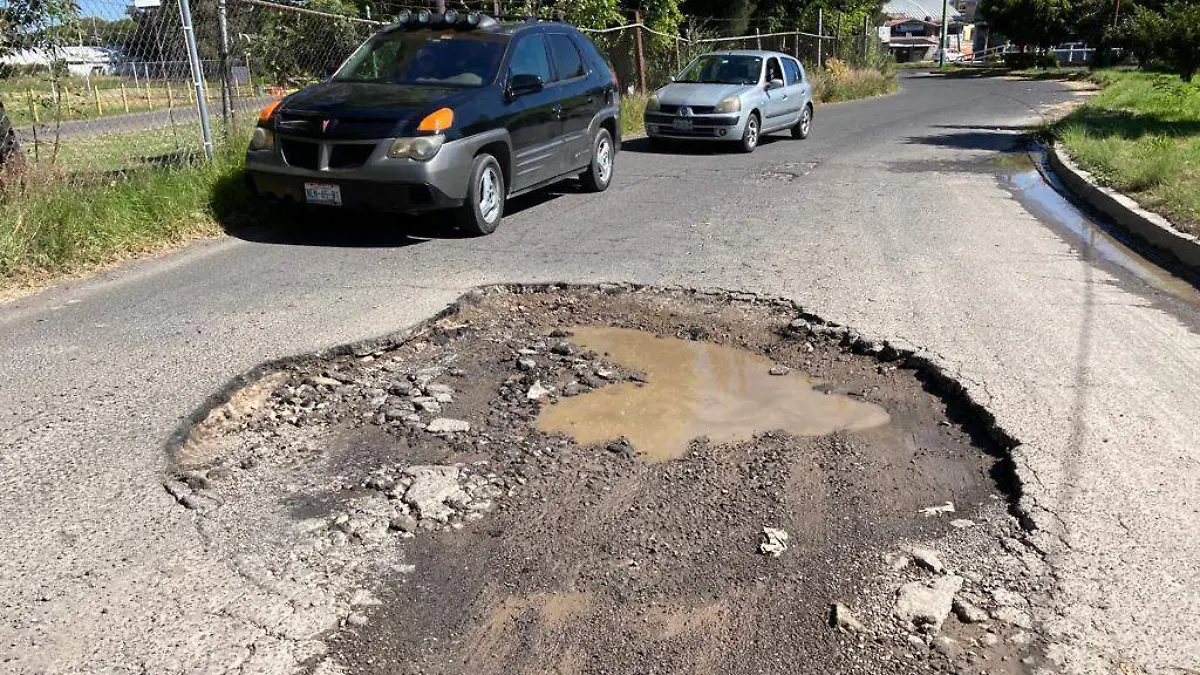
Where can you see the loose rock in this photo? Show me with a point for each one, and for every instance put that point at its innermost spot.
(445, 425)
(841, 617)
(926, 604)
(968, 613)
(928, 559)
(537, 392)
(774, 542)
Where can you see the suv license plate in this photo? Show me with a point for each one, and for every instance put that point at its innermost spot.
(323, 193)
(682, 125)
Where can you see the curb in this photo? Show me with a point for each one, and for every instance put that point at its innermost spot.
(1152, 228)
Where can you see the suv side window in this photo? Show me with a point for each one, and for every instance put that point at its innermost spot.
(529, 57)
(794, 75)
(598, 62)
(567, 63)
(774, 72)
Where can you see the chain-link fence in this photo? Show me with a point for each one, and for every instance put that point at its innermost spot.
(117, 90)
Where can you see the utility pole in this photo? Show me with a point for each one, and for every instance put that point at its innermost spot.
(226, 102)
(821, 34)
(945, 25)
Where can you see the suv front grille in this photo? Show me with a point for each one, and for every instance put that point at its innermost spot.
(300, 154)
(349, 155)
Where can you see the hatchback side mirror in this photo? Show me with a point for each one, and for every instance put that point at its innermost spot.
(523, 84)
(775, 84)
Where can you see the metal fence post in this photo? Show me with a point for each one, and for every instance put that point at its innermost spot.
(641, 54)
(821, 38)
(189, 35)
(226, 103)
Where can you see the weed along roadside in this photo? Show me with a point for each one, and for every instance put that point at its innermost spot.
(880, 542)
(1141, 136)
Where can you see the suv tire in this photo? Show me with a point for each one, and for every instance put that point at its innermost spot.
(804, 124)
(480, 214)
(599, 173)
(751, 133)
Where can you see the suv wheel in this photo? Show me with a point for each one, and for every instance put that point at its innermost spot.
(750, 135)
(600, 172)
(484, 206)
(804, 124)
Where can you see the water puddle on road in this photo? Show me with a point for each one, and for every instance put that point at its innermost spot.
(1041, 199)
(696, 389)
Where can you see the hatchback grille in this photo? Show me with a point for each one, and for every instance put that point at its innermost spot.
(349, 155)
(696, 109)
(301, 154)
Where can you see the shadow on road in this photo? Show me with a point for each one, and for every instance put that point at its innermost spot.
(246, 217)
(999, 140)
(642, 146)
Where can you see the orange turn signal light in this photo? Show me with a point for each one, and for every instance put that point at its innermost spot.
(267, 112)
(437, 121)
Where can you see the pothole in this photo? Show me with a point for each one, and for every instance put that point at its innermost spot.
(470, 500)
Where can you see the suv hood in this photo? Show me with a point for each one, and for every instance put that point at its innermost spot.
(685, 93)
(363, 109)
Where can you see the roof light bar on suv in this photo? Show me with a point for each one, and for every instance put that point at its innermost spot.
(452, 18)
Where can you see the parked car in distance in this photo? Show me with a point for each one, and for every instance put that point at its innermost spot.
(952, 55)
(732, 96)
(445, 111)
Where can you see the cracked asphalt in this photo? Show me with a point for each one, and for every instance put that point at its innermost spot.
(887, 219)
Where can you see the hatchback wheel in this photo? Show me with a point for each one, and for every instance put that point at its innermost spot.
(604, 154)
(804, 124)
(484, 206)
(750, 135)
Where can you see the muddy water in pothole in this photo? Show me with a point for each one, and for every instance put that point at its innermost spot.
(696, 389)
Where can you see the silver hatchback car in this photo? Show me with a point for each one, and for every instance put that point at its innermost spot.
(732, 96)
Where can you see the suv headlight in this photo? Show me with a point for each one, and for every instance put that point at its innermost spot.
(730, 105)
(262, 139)
(420, 148)
(652, 103)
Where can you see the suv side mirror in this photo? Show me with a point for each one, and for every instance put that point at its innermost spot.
(523, 84)
(775, 84)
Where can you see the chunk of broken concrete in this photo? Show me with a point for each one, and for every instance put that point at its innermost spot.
(774, 542)
(841, 617)
(926, 604)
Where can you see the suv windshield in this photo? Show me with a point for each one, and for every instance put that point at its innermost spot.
(722, 69)
(442, 58)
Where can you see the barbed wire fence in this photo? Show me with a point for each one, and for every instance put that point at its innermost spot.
(122, 90)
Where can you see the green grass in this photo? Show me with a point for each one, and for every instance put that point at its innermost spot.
(50, 229)
(1141, 135)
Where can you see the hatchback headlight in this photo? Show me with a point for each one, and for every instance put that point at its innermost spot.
(730, 105)
(420, 148)
(652, 103)
(262, 139)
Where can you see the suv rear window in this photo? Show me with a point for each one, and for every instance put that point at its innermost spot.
(442, 58)
(567, 63)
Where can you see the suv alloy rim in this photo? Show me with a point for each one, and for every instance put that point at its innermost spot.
(604, 159)
(489, 194)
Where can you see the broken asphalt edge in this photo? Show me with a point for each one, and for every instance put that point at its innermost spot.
(1011, 475)
(1151, 228)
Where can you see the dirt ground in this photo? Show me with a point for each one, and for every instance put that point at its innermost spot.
(437, 530)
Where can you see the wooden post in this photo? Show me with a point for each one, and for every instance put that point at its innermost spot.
(641, 55)
(170, 97)
(191, 96)
(757, 39)
(124, 98)
(678, 63)
(821, 39)
(99, 108)
(249, 76)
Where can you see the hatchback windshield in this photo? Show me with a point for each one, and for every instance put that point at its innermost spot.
(462, 59)
(722, 69)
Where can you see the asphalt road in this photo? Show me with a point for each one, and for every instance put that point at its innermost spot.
(890, 218)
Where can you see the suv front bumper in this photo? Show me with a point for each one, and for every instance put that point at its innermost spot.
(366, 176)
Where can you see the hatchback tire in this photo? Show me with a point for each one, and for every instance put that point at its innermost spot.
(804, 124)
(480, 214)
(751, 133)
(599, 173)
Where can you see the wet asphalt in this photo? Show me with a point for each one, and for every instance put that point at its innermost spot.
(890, 218)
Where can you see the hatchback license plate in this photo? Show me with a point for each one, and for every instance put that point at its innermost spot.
(682, 125)
(323, 193)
